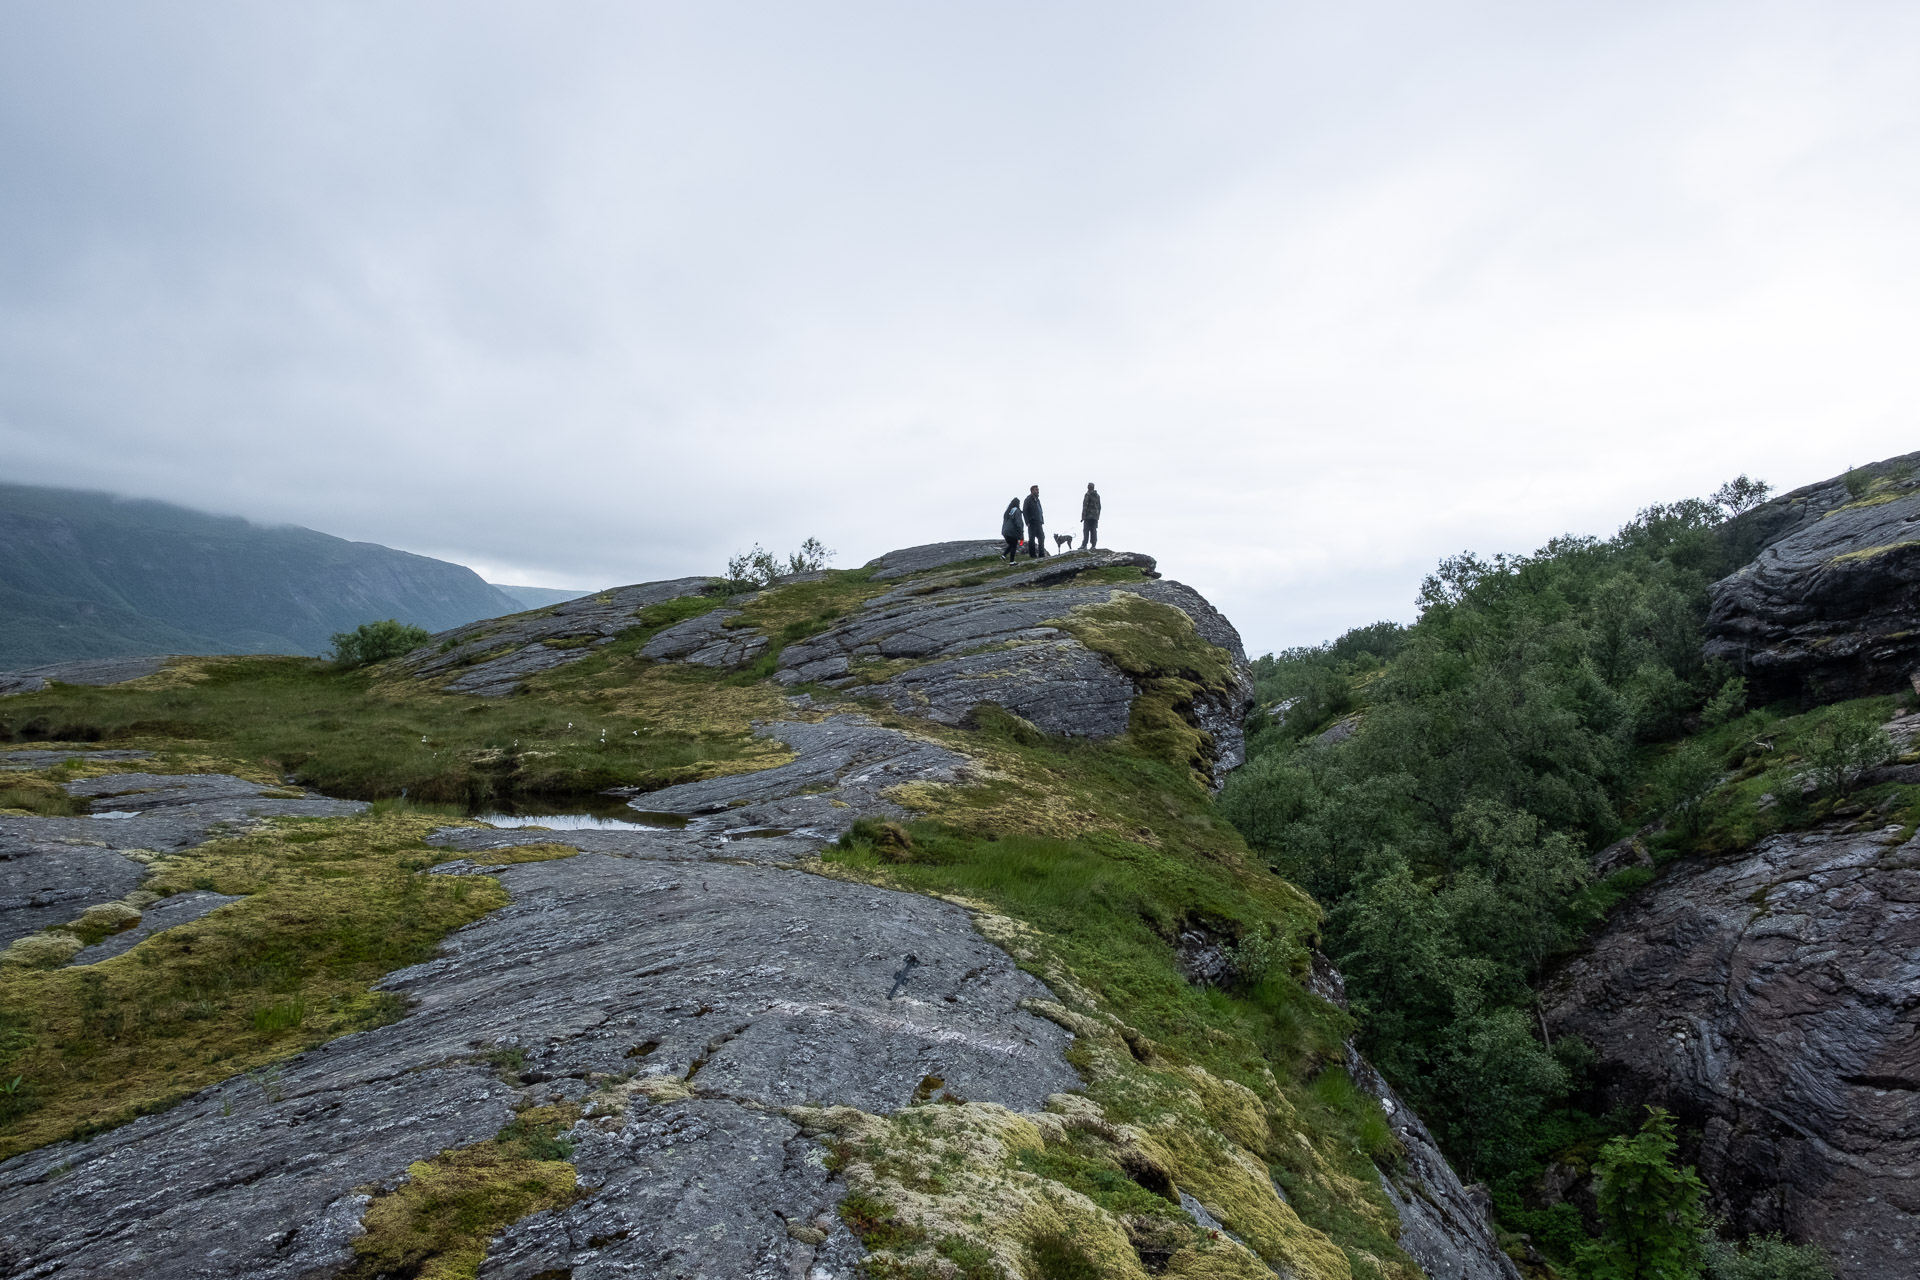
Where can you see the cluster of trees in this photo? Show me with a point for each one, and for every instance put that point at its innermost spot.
(1500, 738)
(1449, 836)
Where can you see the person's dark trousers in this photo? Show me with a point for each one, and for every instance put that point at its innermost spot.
(1089, 536)
(1036, 542)
(1013, 545)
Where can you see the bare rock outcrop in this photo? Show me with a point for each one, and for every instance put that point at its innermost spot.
(1829, 607)
(490, 658)
(1769, 1000)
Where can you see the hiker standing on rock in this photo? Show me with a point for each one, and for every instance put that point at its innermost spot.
(1036, 521)
(1010, 528)
(1090, 517)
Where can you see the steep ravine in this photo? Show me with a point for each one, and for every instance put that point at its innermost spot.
(756, 1047)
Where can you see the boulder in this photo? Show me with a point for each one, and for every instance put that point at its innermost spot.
(1829, 607)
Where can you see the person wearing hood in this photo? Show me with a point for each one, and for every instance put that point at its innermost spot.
(1090, 518)
(1010, 528)
(1036, 522)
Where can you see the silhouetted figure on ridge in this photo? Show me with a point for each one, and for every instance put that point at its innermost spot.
(1010, 528)
(1090, 518)
(1036, 522)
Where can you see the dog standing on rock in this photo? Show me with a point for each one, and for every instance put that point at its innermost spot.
(1063, 540)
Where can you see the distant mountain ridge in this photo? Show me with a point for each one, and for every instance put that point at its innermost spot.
(91, 575)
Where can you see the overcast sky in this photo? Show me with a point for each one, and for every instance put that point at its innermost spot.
(589, 294)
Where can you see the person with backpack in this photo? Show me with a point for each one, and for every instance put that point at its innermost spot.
(1036, 520)
(1090, 517)
(1010, 528)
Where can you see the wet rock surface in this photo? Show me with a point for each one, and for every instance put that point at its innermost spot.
(1769, 999)
(1829, 608)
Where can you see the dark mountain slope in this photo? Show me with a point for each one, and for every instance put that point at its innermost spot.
(89, 575)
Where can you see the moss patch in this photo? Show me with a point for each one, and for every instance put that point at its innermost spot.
(1160, 648)
(1870, 553)
(436, 1225)
(330, 907)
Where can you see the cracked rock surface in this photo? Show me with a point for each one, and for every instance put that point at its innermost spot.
(1770, 999)
(491, 658)
(52, 869)
(971, 641)
(1829, 608)
(767, 987)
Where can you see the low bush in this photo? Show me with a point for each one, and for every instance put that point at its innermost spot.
(372, 642)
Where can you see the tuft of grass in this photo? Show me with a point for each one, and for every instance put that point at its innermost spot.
(36, 794)
(436, 1225)
(329, 907)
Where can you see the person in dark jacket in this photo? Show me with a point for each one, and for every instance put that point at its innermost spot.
(1036, 521)
(1090, 518)
(1010, 527)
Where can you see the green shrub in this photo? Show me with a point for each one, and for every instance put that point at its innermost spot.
(1844, 744)
(376, 642)
(1650, 1209)
(1766, 1258)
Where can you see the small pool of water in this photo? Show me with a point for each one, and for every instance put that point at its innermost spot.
(635, 821)
(575, 813)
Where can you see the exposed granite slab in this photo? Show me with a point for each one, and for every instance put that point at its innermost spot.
(491, 658)
(1770, 999)
(990, 641)
(934, 555)
(1443, 1226)
(95, 671)
(706, 641)
(48, 879)
(846, 763)
(656, 1202)
(785, 987)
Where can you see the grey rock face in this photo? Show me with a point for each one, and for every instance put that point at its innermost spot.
(765, 986)
(974, 641)
(1769, 1000)
(705, 641)
(47, 880)
(934, 555)
(1442, 1226)
(1830, 606)
(655, 1202)
(87, 671)
(845, 759)
(53, 869)
(490, 659)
